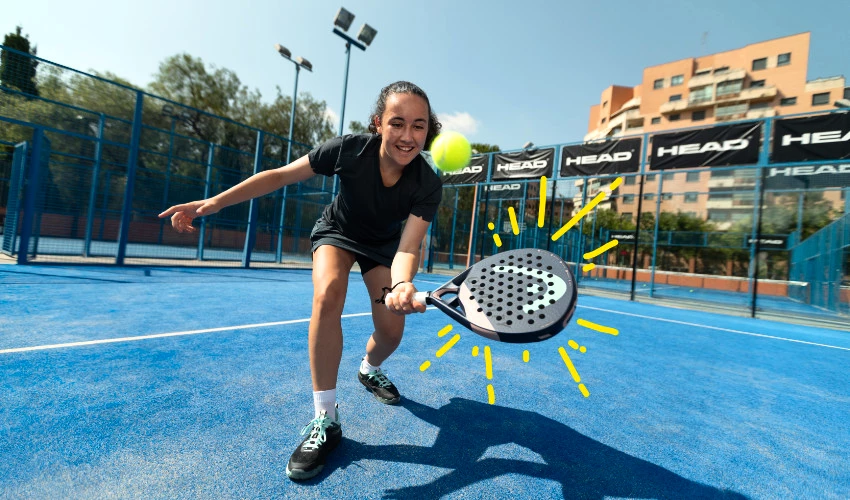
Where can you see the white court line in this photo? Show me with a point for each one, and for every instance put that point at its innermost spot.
(163, 335)
(289, 322)
(715, 328)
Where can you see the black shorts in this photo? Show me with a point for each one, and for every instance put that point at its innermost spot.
(368, 257)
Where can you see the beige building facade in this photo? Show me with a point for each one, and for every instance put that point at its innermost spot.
(763, 79)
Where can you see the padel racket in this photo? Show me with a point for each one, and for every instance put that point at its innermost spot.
(517, 296)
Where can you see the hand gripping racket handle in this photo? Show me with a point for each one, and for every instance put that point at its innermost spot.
(421, 297)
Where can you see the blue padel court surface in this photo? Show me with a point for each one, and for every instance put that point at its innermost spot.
(195, 383)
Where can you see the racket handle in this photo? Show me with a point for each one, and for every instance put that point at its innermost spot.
(421, 297)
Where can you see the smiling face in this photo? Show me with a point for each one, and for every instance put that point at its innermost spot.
(403, 128)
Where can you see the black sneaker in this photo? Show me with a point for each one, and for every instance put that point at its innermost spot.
(323, 434)
(380, 385)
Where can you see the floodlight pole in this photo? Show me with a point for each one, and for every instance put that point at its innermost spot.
(292, 115)
(348, 43)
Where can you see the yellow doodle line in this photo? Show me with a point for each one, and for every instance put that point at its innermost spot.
(496, 237)
(598, 328)
(599, 251)
(514, 225)
(586, 210)
(573, 372)
(541, 211)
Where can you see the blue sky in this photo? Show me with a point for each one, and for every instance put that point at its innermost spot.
(501, 72)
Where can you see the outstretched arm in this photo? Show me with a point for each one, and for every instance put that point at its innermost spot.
(404, 267)
(257, 185)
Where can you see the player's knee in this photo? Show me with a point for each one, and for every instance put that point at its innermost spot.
(329, 299)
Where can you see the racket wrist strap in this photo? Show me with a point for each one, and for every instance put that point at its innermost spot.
(387, 290)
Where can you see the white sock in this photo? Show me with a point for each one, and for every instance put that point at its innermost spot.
(365, 367)
(325, 400)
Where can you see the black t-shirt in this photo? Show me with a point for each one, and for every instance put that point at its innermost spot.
(365, 210)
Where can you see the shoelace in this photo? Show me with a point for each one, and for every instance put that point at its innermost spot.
(318, 425)
(381, 378)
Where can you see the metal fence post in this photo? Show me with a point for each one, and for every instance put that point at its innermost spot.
(33, 172)
(132, 164)
(203, 229)
(254, 210)
(98, 149)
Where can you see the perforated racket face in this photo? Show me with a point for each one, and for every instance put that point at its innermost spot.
(525, 295)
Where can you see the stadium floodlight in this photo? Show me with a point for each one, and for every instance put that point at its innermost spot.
(842, 103)
(304, 63)
(299, 63)
(343, 19)
(366, 34)
(365, 37)
(528, 145)
(283, 51)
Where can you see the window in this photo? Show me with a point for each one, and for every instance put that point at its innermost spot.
(656, 120)
(691, 197)
(648, 196)
(788, 101)
(692, 177)
(650, 178)
(604, 104)
(847, 92)
(756, 84)
(783, 59)
(722, 69)
(675, 97)
(677, 80)
(820, 99)
(674, 118)
(730, 87)
(628, 199)
(698, 115)
(730, 110)
(702, 94)
(667, 196)
(628, 216)
(603, 120)
(668, 176)
(630, 181)
(658, 84)
(703, 72)
(719, 215)
(760, 105)
(759, 64)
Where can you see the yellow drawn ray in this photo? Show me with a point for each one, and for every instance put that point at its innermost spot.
(512, 216)
(599, 251)
(541, 211)
(599, 328)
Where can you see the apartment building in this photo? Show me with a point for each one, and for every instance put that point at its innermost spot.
(759, 80)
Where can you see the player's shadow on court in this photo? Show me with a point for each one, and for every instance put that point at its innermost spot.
(584, 467)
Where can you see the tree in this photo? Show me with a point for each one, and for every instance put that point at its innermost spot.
(358, 128)
(17, 71)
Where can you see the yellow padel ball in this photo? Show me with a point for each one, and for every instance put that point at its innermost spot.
(451, 151)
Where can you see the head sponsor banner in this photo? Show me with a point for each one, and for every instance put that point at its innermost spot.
(622, 236)
(715, 146)
(531, 164)
(807, 176)
(770, 241)
(504, 191)
(473, 173)
(811, 138)
(600, 158)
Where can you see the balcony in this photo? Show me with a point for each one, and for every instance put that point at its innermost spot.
(760, 113)
(673, 106)
(758, 93)
(727, 203)
(727, 76)
(721, 182)
(625, 116)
